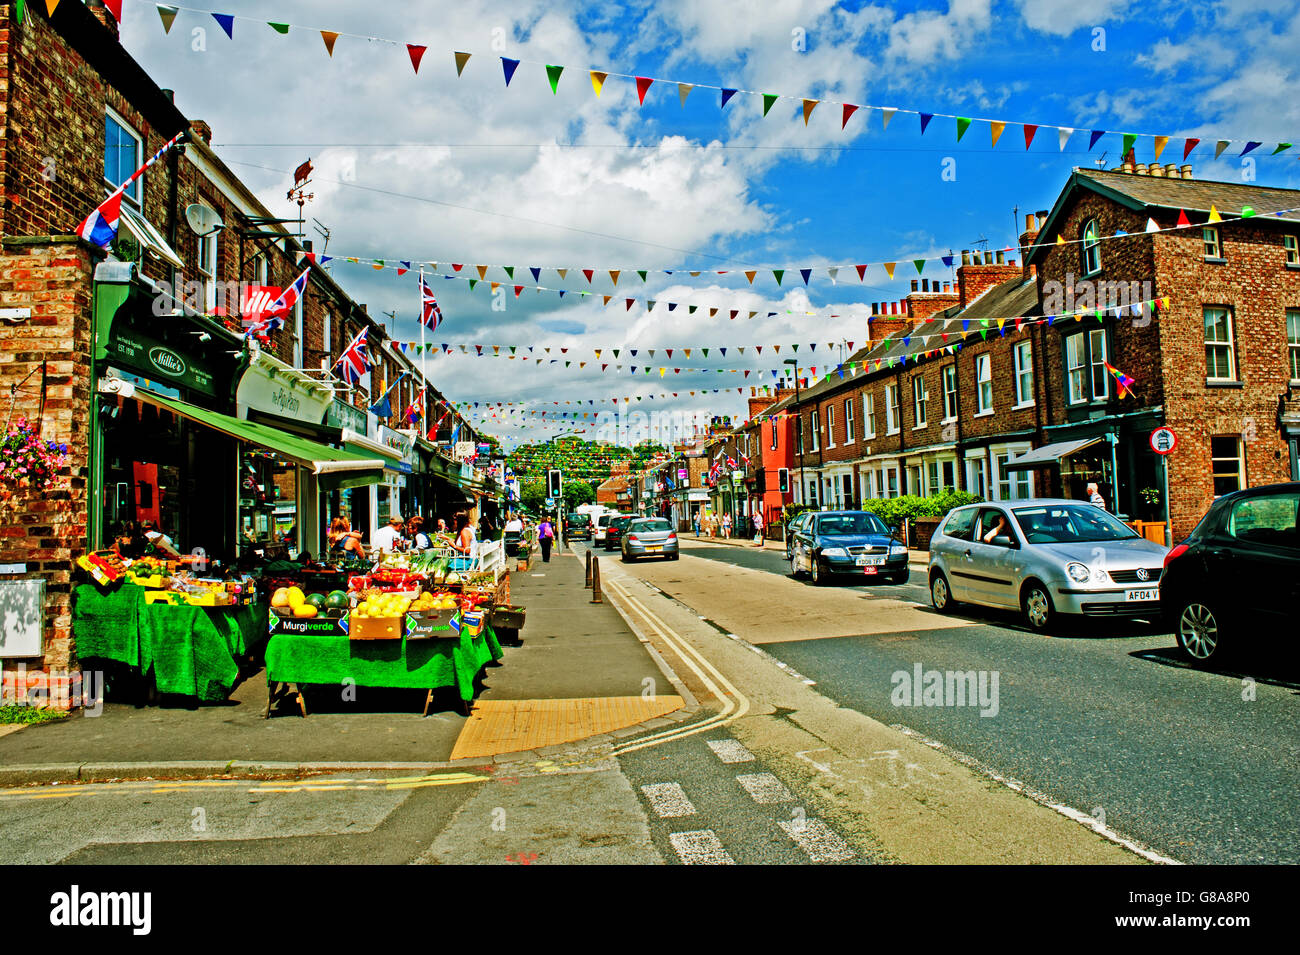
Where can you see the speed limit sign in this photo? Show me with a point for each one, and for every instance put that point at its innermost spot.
(1163, 440)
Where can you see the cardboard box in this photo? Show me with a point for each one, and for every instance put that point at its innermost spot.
(375, 628)
(324, 625)
(430, 625)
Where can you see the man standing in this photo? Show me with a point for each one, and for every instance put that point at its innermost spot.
(1094, 496)
(388, 539)
(696, 521)
(545, 536)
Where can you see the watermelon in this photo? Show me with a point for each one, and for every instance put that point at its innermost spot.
(316, 600)
(337, 600)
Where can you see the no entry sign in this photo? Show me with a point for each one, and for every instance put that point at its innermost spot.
(1163, 440)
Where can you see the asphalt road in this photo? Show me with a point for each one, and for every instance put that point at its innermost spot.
(1198, 765)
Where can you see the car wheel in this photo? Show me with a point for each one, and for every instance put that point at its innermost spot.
(941, 594)
(1199, 633)
(900, 578)
(818, 575)
(1036, 603)
(794, 566)
(627, 559)
(674, 556)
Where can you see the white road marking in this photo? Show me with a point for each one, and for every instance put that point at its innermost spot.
(817, 839)
(730, 751)
(702, 847)
(765, 789)
(668, 800)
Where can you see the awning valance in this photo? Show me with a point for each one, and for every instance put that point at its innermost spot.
(1048, 454)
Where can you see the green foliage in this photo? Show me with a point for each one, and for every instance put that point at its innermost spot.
(30, 714)
(577, 493)
(892, 510)
(532, 494)
(794, 510)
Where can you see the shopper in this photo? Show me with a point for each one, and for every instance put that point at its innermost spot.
(758, 528)
(344, 541)
(465, 536)
(420, 541)
(1094, 495)
(545, 537)
(388, 539)
(695, 520)
(726, 525)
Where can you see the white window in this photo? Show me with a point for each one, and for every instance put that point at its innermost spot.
(1024, 374)
(1228, 466)
(830, 426)
(984, 380)
(816, 430)
(812, 493)
(1291, 245)
(977, 476)
(887, 481)
(1220, 359)
(1074, 369)
(848, 421)
(1097, 356)
(914, 485)
(327, 343)
(891, 409)
(798, 434)
(932, 484)
(1210, 238)
(208, 270)
(1091, 248)
(297, 333)
(868, 415)
(1012, 485)
(1293, 341)
(122, 155)
(950, 393)
(868, 485)
(918, 400)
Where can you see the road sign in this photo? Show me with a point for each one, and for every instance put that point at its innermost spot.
(550, 502)
(1163, 440)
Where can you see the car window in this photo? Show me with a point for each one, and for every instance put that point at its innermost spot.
(850, 524)
(1271, 520)
(1070, 524)
(960, 524)
(649, 525)
(603, 520)
(992, 522)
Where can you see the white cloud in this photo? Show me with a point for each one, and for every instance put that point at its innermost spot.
(1063, 17)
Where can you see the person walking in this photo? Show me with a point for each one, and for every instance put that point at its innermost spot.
(695, 520)
(758, 528)
(726, 525)
(545, 537)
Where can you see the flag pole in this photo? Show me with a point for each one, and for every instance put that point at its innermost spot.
(424, 378)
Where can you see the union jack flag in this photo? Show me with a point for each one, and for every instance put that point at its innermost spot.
(430, 313)
(100, 227)
(355, 360)
(272, 317)
(731, 463)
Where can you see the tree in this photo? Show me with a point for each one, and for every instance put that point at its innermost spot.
(532, 494)
(576, 493)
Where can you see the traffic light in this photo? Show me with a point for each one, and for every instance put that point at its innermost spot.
(783, 476)
(553, 483)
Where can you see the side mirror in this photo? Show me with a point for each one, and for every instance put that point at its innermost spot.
(1002, 540)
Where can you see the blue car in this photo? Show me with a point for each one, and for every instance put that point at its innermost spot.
(845, 543)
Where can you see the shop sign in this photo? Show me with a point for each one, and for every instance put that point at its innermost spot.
(342, 415)
(157, 361)
(403, 444)
(308, 626)
(280, 390)
(464, 450)
(466, 471)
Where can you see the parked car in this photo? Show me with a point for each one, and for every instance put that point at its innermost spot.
(615, 529)
(577, 527)
(602, 523)
(1237, 575)
(792, 528)
(649, 537)
(827, 543)
(1044, 557)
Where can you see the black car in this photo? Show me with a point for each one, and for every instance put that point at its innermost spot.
(577, 527)
(1237, 575)
(614, 532)
(846, 542)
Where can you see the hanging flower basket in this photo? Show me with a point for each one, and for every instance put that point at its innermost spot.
(28, 462)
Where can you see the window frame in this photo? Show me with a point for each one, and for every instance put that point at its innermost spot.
(1293, 344)
(1230, 344)
(135, 192)
(849, 437)
(1097, 369)
(985, 361)
(1023, 371)
(815, 425)
(1240, 459)
(948, 375)
(1090, 247)
(1291, 251)
(207, 259)
(774, 432)
(891, 409)
(1211, 243)
(920, 398)
(1075, 396)
(830, 425)
(868, 414)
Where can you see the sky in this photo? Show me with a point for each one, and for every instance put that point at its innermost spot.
(433, 167)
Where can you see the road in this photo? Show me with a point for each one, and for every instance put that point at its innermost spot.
(1106, 719)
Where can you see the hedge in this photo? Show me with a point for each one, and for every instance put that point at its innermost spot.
(892, 510)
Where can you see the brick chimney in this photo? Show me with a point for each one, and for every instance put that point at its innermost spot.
(886, 319)
(100, 12)
(929, 298)
(199, 128)
(979, 273)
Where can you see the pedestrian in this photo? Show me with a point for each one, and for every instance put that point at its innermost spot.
(1094, 495)
(465, 537)
(726, 525)
(758, 528)
(344, 541)
(419, 539)
(545, 537)
(695, 521)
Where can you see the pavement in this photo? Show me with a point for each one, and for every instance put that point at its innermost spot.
(579, 673)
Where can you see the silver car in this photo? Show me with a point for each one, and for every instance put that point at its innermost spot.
(649, 537)
(1044, 557)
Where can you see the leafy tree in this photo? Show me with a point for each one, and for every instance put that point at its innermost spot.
(532, 494)
(576, 493)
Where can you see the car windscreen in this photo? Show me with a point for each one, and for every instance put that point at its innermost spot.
(1070, 524)
(851, 524)
(603, 520)
(620, 522)
(580, 519)
(650, 527)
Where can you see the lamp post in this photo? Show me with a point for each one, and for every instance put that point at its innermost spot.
(799, 419)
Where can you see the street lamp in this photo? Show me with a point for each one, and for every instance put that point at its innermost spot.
(803, 488)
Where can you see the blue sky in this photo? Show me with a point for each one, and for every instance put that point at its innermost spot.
(448, 169)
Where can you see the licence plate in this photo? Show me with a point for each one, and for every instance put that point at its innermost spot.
(870, 561)
(1149, 594)
(651, 550)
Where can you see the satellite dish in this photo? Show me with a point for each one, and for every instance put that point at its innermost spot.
(203, 221)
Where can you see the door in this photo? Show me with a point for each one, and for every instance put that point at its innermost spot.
(952, 546)
(1259, 559)
(987, 568)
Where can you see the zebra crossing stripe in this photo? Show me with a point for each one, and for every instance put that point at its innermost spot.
(765, 789)
(818, 841)
(701, 847)
(668, 800)
(730, 751)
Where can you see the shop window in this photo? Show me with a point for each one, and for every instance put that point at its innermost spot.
(1210, 240)
(122, 155)
(950, 393)
(1293, 342)
(1220, 353)
(919, 396)
(1024, 373)
(1091, 248)
(268, 504)
(984, 380)
(1228, 464)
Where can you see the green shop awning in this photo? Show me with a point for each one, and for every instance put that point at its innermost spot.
(333, 468)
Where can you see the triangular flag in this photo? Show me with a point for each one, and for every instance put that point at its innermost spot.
(482, 271)
(833, 273)
(862, 271)
(642, 85)
(1030, 130)
(1220, 146)
(925, 121)
(1129, 140)
(889, 268)
(1182, 218)
(1249, 147)
(1151, 226)
(806, 273)
(1214, 214)
(726, 95)
(808, 106)
(920, 264)
(750, 275)
(995, 130)
(597, 81)
(562, 272)
(684, 90)
(614, 274)
(778, 273)
(1189, 145)
(886, 114)
(963, 124)
(1160, 143)
(553, 75)
(849, 110)
(768, 100)
(416, 54)
(227, 23)
(166, 13)
(1281, 147)
(1065, 132)
(508, 67)
(329, 36)
(461, 60)
(280, 28)
(1096, 135)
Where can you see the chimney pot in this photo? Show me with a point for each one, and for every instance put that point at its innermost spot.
(915, 285)
(875, 308)
(1155, 169)
(1029, 222)
(1000, 258)
(1186, 171)
(306, 245)
(1140, 169)
(965, 257)
(199, 128)
(988, 257)
(1171, 171)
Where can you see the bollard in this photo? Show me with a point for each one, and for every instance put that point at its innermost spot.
(588, 583)
(595, 580)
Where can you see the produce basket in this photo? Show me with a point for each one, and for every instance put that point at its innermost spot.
(505, 617)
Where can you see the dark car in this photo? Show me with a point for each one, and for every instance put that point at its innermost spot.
(577, 527)
(1237, 575)
(846, 542)
(614, 532)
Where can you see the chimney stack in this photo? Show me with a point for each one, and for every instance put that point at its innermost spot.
(1186, 171)
(199, 128)
(101, 14)
(1028, 239)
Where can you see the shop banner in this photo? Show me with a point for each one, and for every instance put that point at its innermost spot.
(159, 362)
(343, 415)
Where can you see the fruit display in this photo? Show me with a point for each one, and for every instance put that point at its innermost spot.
(200, 592)
(377, 604)
(105, 566)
